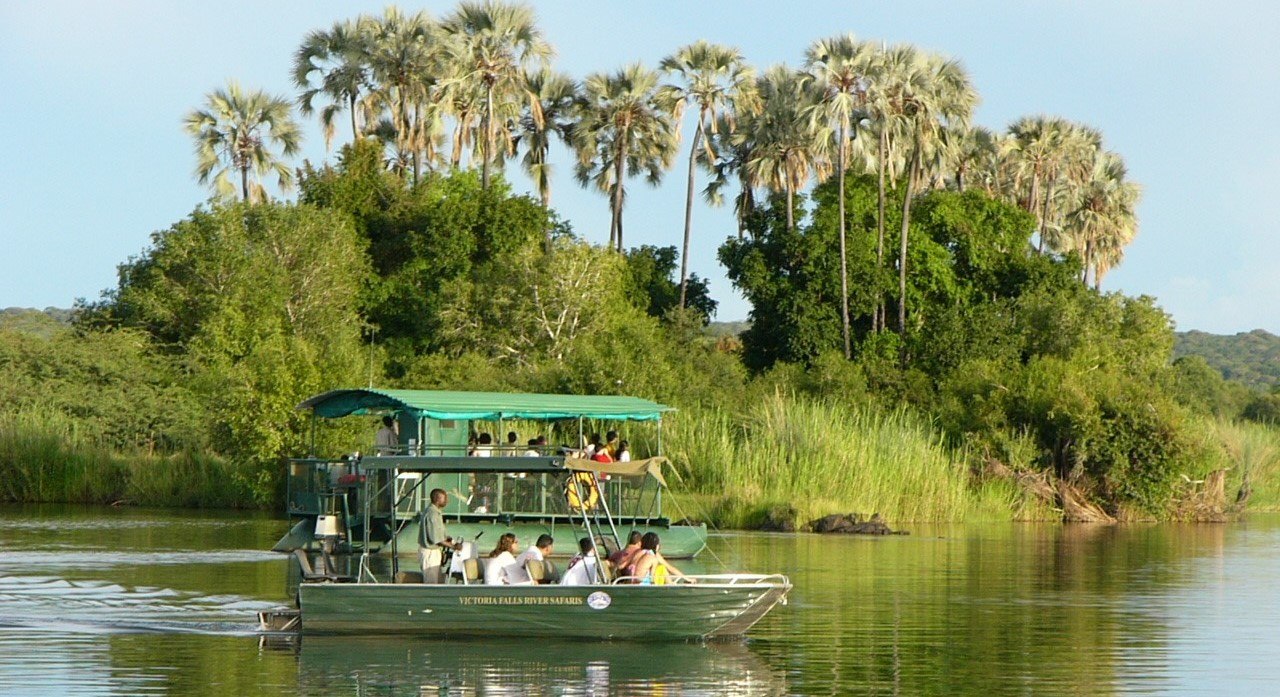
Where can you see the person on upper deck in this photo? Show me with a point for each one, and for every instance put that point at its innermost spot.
(593, 447)
(484, 446)
(584, 567)
(500, 559)
(512, 447)
(650, 566)
(387, 442)
(624, 452)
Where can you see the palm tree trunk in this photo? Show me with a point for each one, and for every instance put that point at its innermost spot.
(488, 138)
(879, 321)
(615, 229)
(355, 128)
(791, 208)
(1033, 208)
(844, 262)
(1044, 208)
(902, 250)
(244, 183)
(688, 209)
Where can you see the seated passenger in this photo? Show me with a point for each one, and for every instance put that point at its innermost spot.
(532, 449)
(622, 558)
(584, 568)
(500, 559)
(649, 565)
(624, 452)
(516, 573)
(484, 446)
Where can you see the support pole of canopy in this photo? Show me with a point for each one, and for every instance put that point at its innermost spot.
(364, 550)
(604, 504)
(395, 508)
(582, 508)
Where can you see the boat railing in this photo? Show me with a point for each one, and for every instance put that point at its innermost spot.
(714, 579)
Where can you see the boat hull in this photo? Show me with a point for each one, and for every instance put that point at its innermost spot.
(643, 612)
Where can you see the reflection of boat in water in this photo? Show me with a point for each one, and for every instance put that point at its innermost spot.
(658, 606)
(436, 424)
(349, 665)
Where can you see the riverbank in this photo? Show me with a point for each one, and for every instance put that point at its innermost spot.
(781, 458)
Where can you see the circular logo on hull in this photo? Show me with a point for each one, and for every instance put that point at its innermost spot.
(599, 600)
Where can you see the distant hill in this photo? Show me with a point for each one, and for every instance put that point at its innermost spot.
(719, 329)
(30, 321)
(1252, 358)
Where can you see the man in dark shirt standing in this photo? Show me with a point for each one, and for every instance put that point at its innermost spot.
(433, 538)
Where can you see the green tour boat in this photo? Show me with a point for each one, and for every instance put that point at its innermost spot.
(427, 425)
(599, 606)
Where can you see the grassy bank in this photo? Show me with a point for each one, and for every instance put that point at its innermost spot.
(819, 457)
(44, 457)
(1253, 454)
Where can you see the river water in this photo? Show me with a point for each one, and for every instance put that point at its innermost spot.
(99, 601)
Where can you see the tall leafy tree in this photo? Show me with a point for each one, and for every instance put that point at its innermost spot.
(496, 44)
(939, 97)
(622, 131)
(713, 80)
(839, 66)
(334, 65)
(786, 146)
(236, 134)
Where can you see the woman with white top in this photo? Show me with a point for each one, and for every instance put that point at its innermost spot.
(502, 556)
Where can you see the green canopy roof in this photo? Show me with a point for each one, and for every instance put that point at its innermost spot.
(483, 406)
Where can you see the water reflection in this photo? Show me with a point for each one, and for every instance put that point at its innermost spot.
(105, 601)
(387, 666)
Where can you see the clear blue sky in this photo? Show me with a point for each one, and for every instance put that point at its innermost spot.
(93, 158)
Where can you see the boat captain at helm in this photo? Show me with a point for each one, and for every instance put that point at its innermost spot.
(433, 538)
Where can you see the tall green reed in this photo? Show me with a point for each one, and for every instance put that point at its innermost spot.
(822, 457)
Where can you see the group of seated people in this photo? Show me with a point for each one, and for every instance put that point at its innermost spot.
(482, 445)
(611, 449)
(639, 561)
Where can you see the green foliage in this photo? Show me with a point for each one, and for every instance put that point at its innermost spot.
(421, 239)
(652, 272)
(110, 383)
(260, 303)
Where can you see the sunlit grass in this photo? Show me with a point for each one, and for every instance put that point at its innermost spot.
(820, 457)
(45, 457)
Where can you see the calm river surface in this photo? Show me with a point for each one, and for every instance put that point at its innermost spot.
(139, 602)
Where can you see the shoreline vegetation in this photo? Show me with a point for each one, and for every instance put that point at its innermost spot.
(928, 340)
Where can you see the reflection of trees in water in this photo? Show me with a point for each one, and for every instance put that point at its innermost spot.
(399, 666)
(977, 610)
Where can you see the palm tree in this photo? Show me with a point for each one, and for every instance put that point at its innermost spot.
(1104, 218)
(939, 97)
(839, 67)
(557, 96)
(235, 133)
(496, 44)
(787, 147)
(338, 61)
(405, 59)
(892, 72)
(717, 81)
(622, 131)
